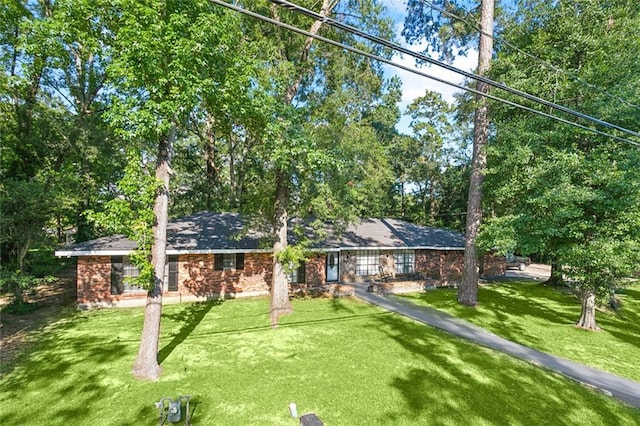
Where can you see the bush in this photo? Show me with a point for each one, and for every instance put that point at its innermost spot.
(42, 262)
(15, 284)
(19, 308)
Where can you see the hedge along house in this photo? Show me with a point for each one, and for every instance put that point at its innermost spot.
(221, 255)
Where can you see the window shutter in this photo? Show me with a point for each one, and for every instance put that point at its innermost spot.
(302, 279)
(116, 275)
(173, 273)
(240, 261)
(219, 262)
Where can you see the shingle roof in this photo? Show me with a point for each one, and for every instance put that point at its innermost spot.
(395, 233)
(219, 232)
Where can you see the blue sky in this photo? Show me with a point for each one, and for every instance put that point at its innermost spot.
(414, 85)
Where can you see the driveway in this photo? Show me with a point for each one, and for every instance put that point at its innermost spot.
(535, 271)
(624, 389)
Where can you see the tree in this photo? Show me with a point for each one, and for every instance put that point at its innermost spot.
(306, 80)
(468, 290)
(280, 304)
(430, 122)
(163, 54)
(55, 133)
(450, 35)
(557, 191)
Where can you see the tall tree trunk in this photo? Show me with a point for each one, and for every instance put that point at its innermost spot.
(402, 200)
(146, 365)
(211, 159)
(280, 304)
(432, 204)
(555, 279)
(468, 291)
(588, 314)
(23, 249)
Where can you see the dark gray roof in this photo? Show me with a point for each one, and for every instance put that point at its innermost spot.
(395, 233)
(219, 232)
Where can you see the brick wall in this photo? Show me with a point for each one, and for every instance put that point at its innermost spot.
(197, 276)
(315, 270)
(493, 265)
(439, 265)
(94, 279)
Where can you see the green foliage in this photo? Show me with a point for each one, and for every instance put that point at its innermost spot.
(18, 308)
(599, 265)
(16, 284)
(131, 213)
(443, 33)
(291, 257)
(552, 189)
(132, 209)
(12, 280)
(25, 209)
(408, 369)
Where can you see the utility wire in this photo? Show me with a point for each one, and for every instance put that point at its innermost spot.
(475, 26)
(414, 71)
(498, 85)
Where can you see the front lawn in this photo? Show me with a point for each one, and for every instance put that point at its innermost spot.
(542, 317)
(349, 362)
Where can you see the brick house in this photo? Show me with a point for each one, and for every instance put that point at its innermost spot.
(222, 255)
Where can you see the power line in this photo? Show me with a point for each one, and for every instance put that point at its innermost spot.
(527, 54)
(414, 71)
(397, 47)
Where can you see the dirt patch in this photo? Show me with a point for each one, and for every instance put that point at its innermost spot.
(16, 330)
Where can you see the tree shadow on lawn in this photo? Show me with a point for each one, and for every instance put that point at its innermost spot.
(49, 370)
(503, 303)
(190, 317)
(457, 382)
(624, 323)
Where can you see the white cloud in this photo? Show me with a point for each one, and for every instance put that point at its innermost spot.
(414, 85)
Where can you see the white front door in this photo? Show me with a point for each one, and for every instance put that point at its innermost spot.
(333, 260)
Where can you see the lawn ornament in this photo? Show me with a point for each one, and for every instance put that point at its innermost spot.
(171, 409)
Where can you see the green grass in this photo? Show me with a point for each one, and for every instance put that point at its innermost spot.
(349, 362)
(543, 318)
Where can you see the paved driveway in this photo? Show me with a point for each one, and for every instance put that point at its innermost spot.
(535, 271)
(624, 389)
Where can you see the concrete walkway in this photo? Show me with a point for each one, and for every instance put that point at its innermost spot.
(623, 389)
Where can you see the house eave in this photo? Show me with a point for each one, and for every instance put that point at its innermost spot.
(218, 251)
(81, 253)
(403, 248)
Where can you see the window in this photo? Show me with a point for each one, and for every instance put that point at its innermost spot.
(122, 271)
(405, 261)
(116, 275)
(228, 261)
(225, 261)
(368, 262)
(298, 276)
